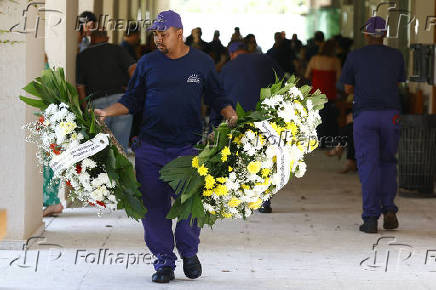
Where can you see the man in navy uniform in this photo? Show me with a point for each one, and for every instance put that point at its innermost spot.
(373, 74)
(167, 87)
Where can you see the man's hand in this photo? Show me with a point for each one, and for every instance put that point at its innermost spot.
(101, 114)
(230, 115)
(116, 109)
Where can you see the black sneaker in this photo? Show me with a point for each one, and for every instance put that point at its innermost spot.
(163, 275)
(192, 267)
(266, 209)
(369, 225)
(390, 220)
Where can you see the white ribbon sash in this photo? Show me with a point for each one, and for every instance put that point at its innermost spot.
(78, 153)
(283, 157)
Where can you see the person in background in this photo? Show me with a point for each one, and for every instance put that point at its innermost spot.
(347, 143)
(296, 44)
(149, 45)
(373, 73)
(281, 53)
(103, 72)
(87, 22)
(167, 88)
(314, 44)
(250, 41)
(236, 36)
(242, 79)
(324, 69)
(131, 40)
(197, 41)
(217, 51)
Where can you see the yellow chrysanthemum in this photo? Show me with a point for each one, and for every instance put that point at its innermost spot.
(265, 172)
(230, 169)
(234, 202)
(68, 127)
(237, 139)
(254, 167)
(267, 181)
(291, 126)
(256, 204)
(229, 136)
(207, 192)
(223, 158)
(313, 143)
(227, 215)
(277, 128)
(220, 190)
(195, 162)
(209, 181)
(245, 186)
(292, 165)
(202, 170)
(274, 159)
(261, 139)
(221, 179)
(226, 151)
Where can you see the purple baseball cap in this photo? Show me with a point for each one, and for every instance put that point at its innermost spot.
(165, 20)
(235, 46)
(375, 26)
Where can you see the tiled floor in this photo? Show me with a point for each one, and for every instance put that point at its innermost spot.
(310, 241)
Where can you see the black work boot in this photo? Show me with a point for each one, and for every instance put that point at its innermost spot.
(369, 225)
(163, 275)
(192, 267)
(265, 209)
(390, 220)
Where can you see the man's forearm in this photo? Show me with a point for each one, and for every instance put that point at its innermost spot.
(116, 109)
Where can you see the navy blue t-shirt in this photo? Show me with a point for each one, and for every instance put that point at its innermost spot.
(168, 92)
(243, 77)
(374, 71)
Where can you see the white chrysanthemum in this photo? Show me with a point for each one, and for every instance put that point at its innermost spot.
(98, 193)
(249, 149)
(294, 91)
(60, 135)
(102, 179)
(271, 151)
(287, 114)
(88, 163)
(301, 169)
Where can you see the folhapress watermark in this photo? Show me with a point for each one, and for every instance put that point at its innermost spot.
(45, 254)
(389, 255)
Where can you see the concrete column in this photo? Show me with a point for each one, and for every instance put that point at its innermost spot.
(145, 15)
(86, 5)
(110, 9)
(21, 181)
(135, 5)
(124, 16)
(62, 40)
(98, 8)
(359, 19)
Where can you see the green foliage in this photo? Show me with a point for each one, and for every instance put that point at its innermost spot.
(185, 180)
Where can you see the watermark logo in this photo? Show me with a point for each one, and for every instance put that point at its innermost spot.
(389, 255)
(46, 254)
(53, 16)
